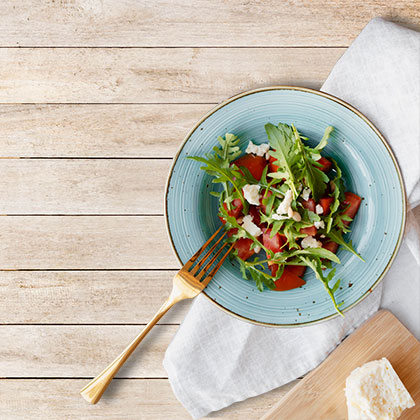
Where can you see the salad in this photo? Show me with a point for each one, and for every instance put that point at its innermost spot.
(284, 205)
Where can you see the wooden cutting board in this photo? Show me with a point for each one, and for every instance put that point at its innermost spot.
(320, 395)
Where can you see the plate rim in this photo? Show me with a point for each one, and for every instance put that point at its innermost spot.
(375, 130)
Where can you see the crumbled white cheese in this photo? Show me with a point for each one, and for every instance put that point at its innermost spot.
(306, 193)
(251, 194)
(285, 205)
(310, 242)
(276, 216)
(260, 150)
(257, 249)
(320, 224)
(374, 391)
(250, 226)
(322, 236)
(319, 209)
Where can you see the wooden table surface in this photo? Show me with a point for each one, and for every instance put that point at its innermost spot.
(95, 98)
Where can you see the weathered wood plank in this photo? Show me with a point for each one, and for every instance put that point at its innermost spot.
(84, 242)
(153, 130)
(86, 297)
(164, 75)
(80, 351)
(86, 186)
(162, 22)
(139, 399)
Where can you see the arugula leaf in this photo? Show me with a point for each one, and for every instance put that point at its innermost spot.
(218, 165)
(315, 265)
(281, 140)
(231, 222)
(337, 185)
(325, 137)
(260, 277)
(337, 236)
(317, 252)
(246, 174)
(339, 222)
(292, 232)
(310, 216)
(269, 202)
(221, 174)
(314, 177)
(277, 225)
(230, 149)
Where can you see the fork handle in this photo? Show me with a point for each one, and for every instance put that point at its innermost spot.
(93, 391)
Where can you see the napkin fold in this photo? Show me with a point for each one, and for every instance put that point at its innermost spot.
(215, 359)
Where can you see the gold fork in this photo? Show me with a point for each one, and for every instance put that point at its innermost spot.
(187, 283)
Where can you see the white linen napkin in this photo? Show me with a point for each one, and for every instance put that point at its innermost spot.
(215, 359)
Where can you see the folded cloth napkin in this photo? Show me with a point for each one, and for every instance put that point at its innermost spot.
(216, 359)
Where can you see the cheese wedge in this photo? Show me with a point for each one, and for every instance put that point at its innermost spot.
(375, 392)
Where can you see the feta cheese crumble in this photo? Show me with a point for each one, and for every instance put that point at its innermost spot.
(319, 209)
(320, 224)
(276, 216)
(251, 194)
(257, 249)
(374, 391)
(250, 226)
(260, 150)
(310, 242)
(306, 193)
(285, 205)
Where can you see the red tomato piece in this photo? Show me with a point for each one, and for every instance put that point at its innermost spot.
(255, 213)
(254, 164)
(232, 232)
(236, 208)
(352, 202)
(275, 243)
(272, 166)
(326, 164)
(235, 211)
(330, 246)
(299, 270)
(273, 268)
(326, 204)
(311, 230)
(243, 246)
(289, 280)
(309, 204)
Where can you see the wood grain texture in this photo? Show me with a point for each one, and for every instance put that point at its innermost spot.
(86, 297)
(156, 75)
(83, 186)
(208, 23)
(108, 130)
(140, 399)
(80, 351)
(83, 242)
(322, 390)
(135, 103)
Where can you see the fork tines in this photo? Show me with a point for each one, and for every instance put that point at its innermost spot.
(197, 270)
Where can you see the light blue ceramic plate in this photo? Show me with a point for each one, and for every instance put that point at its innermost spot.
(369, 169)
